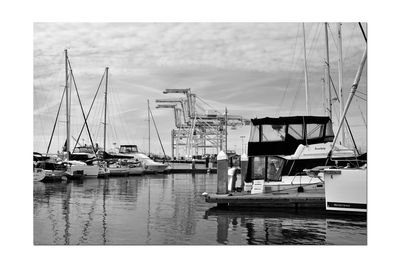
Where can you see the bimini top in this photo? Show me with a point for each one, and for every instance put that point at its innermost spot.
(291, 120)
(282, 135)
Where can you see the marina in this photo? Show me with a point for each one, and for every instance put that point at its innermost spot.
(223, 168)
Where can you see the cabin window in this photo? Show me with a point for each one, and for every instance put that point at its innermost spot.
(296, 131)
(258, 168)
(274, 168)
(315, 130)
(329, 130)
(255, 133)
(128, 149)
(273, 133)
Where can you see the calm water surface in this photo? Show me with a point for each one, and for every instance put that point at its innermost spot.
(169, 210)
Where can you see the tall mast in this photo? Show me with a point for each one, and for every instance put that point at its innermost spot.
(340, 67)
(67, 104)
(148, 121)
(105, 110)
(226, 130)
(352, 92)
(324, 95)
(328, 71)
(305, 71)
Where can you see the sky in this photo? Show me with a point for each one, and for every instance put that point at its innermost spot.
(252, 69)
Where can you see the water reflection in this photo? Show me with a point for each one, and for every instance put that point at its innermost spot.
(169, 209)
(283, 228)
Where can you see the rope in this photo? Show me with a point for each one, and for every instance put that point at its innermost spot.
(362, 93)
(345, 119)
(290, 73)
(213, 108)
(83, 126)
(55, 122)
(158, 135)
(310, 52)
(333, 36)
(80, 103)
(360, 97)
(362, 30)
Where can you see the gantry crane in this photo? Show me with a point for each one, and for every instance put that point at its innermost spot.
(197, 128)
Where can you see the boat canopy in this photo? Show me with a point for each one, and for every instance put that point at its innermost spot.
(39, 157)
(282, 135)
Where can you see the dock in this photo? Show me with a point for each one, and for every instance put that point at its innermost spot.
(189, 167)
(294, 200)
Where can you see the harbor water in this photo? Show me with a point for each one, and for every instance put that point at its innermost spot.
(169, 209)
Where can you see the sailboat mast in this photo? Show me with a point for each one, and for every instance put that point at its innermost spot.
(105, 111)
(340, 67)
(148, 121)
(226, 130)
(323, 95)
(328, 71)
(305, 71)
(352, 92)
(67, 104)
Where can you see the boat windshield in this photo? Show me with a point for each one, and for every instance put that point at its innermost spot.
(84, 149)
(128, 149)
(267, 168)
(258, 168)
(274, 168)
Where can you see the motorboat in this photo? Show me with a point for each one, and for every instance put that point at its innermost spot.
(38, 174)
(50, 167)
(149, 166)
(281, 148)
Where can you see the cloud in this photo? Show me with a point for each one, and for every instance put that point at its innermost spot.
(254, 69)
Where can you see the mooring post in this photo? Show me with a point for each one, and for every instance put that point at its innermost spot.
(222, 173)
(193, 166)
(244, 160)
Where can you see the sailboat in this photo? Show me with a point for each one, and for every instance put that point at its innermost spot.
(118, 165)
(74, 166)
(345, 187)
(131, 157)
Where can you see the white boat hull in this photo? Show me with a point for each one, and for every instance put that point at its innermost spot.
(38, 174)
(118, 171)
(83, 170)
(136, 171)
(290, 183)
(155, 168)
(293, 183)
(346, 190)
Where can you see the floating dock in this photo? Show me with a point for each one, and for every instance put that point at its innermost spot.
(189, 167)
(295, 200)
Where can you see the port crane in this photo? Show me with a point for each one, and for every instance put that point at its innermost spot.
(198, 130)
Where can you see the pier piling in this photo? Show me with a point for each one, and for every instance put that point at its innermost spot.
(222, 173)
(244, 160)
(193, 166)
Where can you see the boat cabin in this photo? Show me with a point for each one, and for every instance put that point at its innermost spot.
(128, 149)
(282, 136)
(272, 138)
(84, 149)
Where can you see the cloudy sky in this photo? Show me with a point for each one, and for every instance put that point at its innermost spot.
(252, 69)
